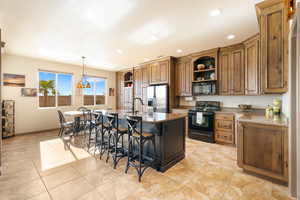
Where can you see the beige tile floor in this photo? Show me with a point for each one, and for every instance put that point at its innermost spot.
(37, 167)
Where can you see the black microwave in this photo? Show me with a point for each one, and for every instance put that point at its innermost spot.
(207, 88)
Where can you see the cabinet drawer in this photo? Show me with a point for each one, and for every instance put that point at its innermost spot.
(224, 116)
(225, 125)
(225, 137)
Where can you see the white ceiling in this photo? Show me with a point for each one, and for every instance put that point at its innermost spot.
(115, 34)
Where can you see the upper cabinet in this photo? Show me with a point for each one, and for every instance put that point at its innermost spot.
(183, 77)
(231, 70)
(145, 75)
(273, 22)
(137, 81)
(252, 78)
(159, 72)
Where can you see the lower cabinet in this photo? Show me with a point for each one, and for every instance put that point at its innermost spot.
(263, 149)
(224, 128)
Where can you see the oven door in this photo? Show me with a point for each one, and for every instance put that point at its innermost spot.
(207, 121)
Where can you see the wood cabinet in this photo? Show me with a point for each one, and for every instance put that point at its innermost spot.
(120, 91)
(159, 72)
(224, 128)
(231, 70)
(137, 75)
(125, 91)
(183, 79)
(145, 75)
(224, 73)
(273, 22)
(252, 78)
(263, 149)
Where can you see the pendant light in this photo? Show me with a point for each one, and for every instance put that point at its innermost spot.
(83, 83)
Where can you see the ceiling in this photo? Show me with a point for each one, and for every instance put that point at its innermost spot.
(115, 34)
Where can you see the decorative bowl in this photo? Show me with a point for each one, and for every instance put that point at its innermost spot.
(245, 107)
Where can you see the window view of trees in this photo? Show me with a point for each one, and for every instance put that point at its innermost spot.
(96, 94)
(55, 89)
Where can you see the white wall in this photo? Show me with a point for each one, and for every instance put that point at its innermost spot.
(29, 117)
(234, 101)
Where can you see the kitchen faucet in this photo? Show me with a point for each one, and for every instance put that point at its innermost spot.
(133, 103)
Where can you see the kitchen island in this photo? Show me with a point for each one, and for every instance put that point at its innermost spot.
(169, 130)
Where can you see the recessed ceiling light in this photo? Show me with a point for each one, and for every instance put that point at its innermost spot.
(215, 12)
(179, 51)
(230, 37)
(119, 51)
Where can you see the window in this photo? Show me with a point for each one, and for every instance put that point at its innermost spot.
(96, 94)
(55, 89)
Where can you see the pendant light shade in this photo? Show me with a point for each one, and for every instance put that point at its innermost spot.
(83, 83)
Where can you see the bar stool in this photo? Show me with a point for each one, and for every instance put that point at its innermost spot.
(115, 134)
(94, 123)
(66, 128)
(100, 129)
(136, 135)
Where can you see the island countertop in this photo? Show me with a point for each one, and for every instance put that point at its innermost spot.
(154, 117)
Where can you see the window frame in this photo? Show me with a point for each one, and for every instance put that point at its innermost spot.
(94, 92)
(56, 86)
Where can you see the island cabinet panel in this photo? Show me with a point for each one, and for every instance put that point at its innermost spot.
(183, 79)
(231, 70)
(273, 19)
(252, 77)
(263, 149)
(224, 73)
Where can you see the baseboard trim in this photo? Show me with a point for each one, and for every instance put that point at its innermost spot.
(40, 131)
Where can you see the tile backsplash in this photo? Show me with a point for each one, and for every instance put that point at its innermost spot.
(233, 101)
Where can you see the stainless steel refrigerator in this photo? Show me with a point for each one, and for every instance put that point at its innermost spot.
(158, 98)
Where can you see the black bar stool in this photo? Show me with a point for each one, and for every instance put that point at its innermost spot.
(66, 128)
(101, 130)
(115, 134)
(136, 135)
(94, 123)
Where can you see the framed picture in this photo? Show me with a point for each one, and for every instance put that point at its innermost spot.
(29, 92)
(13, 80)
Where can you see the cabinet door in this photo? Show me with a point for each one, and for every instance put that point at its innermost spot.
(154, 73)
(237, 72)
(224, 75)
(164, 71)
(262, 149)
(138, 82)
(145, 75)
(144, 97)
(120, 91)
(274, 47)
(224, 125)
(252, 67)
(188, 78)
(180, 78)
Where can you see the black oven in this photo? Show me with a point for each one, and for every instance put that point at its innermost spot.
(203, 130)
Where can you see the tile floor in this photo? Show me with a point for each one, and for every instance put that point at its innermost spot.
(37, 167)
